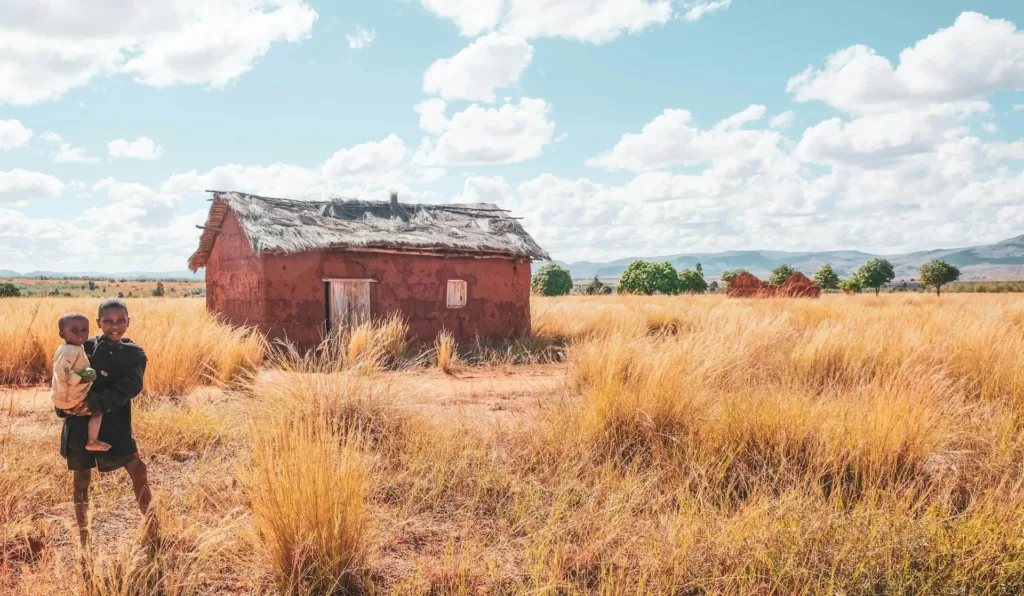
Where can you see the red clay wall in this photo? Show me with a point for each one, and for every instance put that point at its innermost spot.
(414, 286)
(234, 273)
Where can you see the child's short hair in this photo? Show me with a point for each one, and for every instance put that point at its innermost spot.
(112, 303)
(68, 317)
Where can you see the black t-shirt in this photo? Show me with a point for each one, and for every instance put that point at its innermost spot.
(120, 368)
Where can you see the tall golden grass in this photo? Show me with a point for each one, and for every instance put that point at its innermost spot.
(185, 344)
(851, 445)
(306, 483)
(445, 351)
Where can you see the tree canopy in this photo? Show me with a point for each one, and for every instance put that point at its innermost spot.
(731, 274)
(850, 286)
(9, 290)
(692, 281)
(826, 278)
(551, 280)
(642, 277)
(938, 274)
(596, 288)
(780, 274)
(875, 274)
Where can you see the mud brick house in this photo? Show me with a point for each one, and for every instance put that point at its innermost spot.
(299, 269)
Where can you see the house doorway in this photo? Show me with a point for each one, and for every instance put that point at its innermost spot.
(348, 303)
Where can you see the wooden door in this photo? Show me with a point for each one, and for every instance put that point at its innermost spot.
(348, 303)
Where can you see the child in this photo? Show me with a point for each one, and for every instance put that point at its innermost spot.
(121, 365)
(72, 376)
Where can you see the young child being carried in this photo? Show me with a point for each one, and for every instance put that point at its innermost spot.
(72, 375)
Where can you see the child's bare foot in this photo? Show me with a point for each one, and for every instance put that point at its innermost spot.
(97, 446)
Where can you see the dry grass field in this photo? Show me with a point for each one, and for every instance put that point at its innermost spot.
(100, 288)
(664, 445)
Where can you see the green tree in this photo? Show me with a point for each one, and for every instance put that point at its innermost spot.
(159, 291)
(938, 274)
(875, 274)
(641, 277)
(731, 274)
(596, 288)
(551, 280)
(850, 286)
(9, 290)
(826, 278)
(780, 274)
(692, 281)
(700, 270)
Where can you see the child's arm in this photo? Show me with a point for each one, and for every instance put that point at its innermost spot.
(122, 391)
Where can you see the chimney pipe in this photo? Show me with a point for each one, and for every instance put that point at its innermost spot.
(394, 200)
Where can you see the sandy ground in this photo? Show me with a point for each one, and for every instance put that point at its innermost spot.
(487, 394)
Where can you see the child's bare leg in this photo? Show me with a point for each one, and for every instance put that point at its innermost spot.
(80, 497)
(94, 443)
(140, 484)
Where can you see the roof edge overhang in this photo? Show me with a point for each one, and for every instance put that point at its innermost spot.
(220, 207)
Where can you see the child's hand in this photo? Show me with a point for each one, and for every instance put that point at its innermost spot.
(87, 374)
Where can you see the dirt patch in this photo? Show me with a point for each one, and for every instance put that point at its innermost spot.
(486, 394)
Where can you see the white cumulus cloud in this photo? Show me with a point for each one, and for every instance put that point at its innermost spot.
(141, 148)
(673, 138)
(18, 185)
(594, 21)
(361, 38)
(367, 159)
(782, 121)
(48, 47)
(974, 57)
(13, 134)
(877, 138)
(698, 10)
(508, 134)
(472, 17)
(491, 62)
(65, 152)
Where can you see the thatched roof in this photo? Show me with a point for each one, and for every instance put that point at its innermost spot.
(288, 226)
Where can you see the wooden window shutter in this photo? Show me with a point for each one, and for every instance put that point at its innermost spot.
(457, 290)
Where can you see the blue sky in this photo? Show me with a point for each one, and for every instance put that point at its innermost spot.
(602, 122)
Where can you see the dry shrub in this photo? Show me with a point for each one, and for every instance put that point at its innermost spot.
(351, 400)
(514, 352)
(28, 494)
(190, 559)
(375, 345)
(185, 344)
(179, 432)
(444, 350)
(306, 482)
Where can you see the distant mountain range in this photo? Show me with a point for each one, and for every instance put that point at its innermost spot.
(200, 276)
(1002, 261)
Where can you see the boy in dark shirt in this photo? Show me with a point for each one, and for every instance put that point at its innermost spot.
(120, 365)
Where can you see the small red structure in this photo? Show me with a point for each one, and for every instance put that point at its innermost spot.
(746, 285)
(798, 286)
(300, 269)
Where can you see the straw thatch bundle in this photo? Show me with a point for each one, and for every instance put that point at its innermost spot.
(290, 226)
